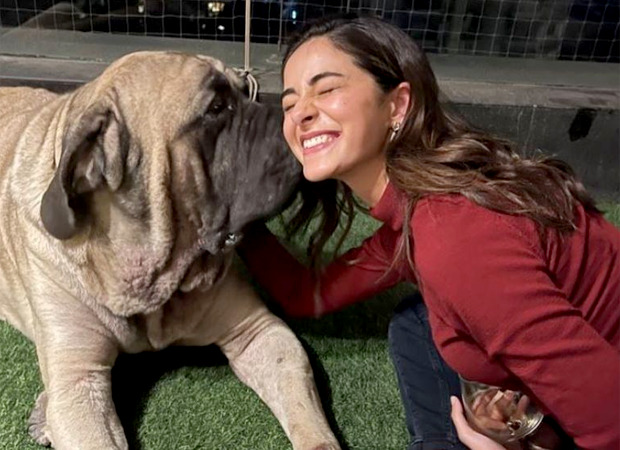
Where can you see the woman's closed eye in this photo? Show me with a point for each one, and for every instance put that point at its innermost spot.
(326, 91)
(320, 91)
(327, 86)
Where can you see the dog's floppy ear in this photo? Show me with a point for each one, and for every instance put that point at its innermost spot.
(92, 154)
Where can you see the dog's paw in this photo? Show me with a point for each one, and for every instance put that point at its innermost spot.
(327, 447)
(37, 428)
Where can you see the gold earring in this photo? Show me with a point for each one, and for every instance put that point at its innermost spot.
(394, 129)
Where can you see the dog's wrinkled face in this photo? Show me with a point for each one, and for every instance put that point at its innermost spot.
(164, 161)
(248, 166)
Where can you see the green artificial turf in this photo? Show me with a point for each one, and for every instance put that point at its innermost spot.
(188, 399)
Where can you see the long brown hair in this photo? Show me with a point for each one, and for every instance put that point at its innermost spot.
(435, 152)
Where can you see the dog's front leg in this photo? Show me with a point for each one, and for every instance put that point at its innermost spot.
(265, 354)
(76, 365)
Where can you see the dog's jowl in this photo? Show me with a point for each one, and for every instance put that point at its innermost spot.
(121, 203)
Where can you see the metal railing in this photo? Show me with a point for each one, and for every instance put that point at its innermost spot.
(554, 29)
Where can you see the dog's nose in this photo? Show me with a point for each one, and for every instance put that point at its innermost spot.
(232, 239)
(222, 242)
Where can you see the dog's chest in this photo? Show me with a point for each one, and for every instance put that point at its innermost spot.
(176, 321)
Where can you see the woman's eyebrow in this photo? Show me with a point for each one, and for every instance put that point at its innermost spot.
(313, 81)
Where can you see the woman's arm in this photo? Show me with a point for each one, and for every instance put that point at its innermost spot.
(352, 277)
(487, 277)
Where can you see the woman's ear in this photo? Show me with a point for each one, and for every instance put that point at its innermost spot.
(400, 102)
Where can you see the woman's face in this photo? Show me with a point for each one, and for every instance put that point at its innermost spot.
(336, 118)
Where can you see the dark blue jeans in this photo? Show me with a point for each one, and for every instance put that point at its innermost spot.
(424, 379)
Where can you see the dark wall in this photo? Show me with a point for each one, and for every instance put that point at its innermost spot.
(587, 139)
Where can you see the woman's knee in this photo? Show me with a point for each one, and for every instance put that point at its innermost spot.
(409, 322)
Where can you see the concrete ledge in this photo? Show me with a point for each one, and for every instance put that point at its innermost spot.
(64, 58)
(65, 74)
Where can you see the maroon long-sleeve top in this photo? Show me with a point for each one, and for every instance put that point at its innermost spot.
(506, 307)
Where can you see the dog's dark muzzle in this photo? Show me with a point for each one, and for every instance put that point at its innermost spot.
(253, 173)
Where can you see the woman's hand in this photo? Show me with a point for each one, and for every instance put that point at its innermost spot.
(497, 411)
(467, 435)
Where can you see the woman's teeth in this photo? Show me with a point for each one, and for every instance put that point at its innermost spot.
(317, 140)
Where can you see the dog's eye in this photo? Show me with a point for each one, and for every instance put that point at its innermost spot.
(216, 106)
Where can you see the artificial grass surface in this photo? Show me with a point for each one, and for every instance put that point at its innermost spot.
(188, 398)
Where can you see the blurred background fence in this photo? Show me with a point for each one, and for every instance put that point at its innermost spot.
(553, 29)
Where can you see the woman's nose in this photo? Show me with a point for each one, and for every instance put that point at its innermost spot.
(304, 111)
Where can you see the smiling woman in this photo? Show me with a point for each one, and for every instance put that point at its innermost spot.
(337, 119)
(519, 273)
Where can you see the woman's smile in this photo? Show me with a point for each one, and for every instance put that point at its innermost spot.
(314, 143)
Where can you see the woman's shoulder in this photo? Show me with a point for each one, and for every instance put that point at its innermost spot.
(454, 218)
(449, 208)
(456, 239)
